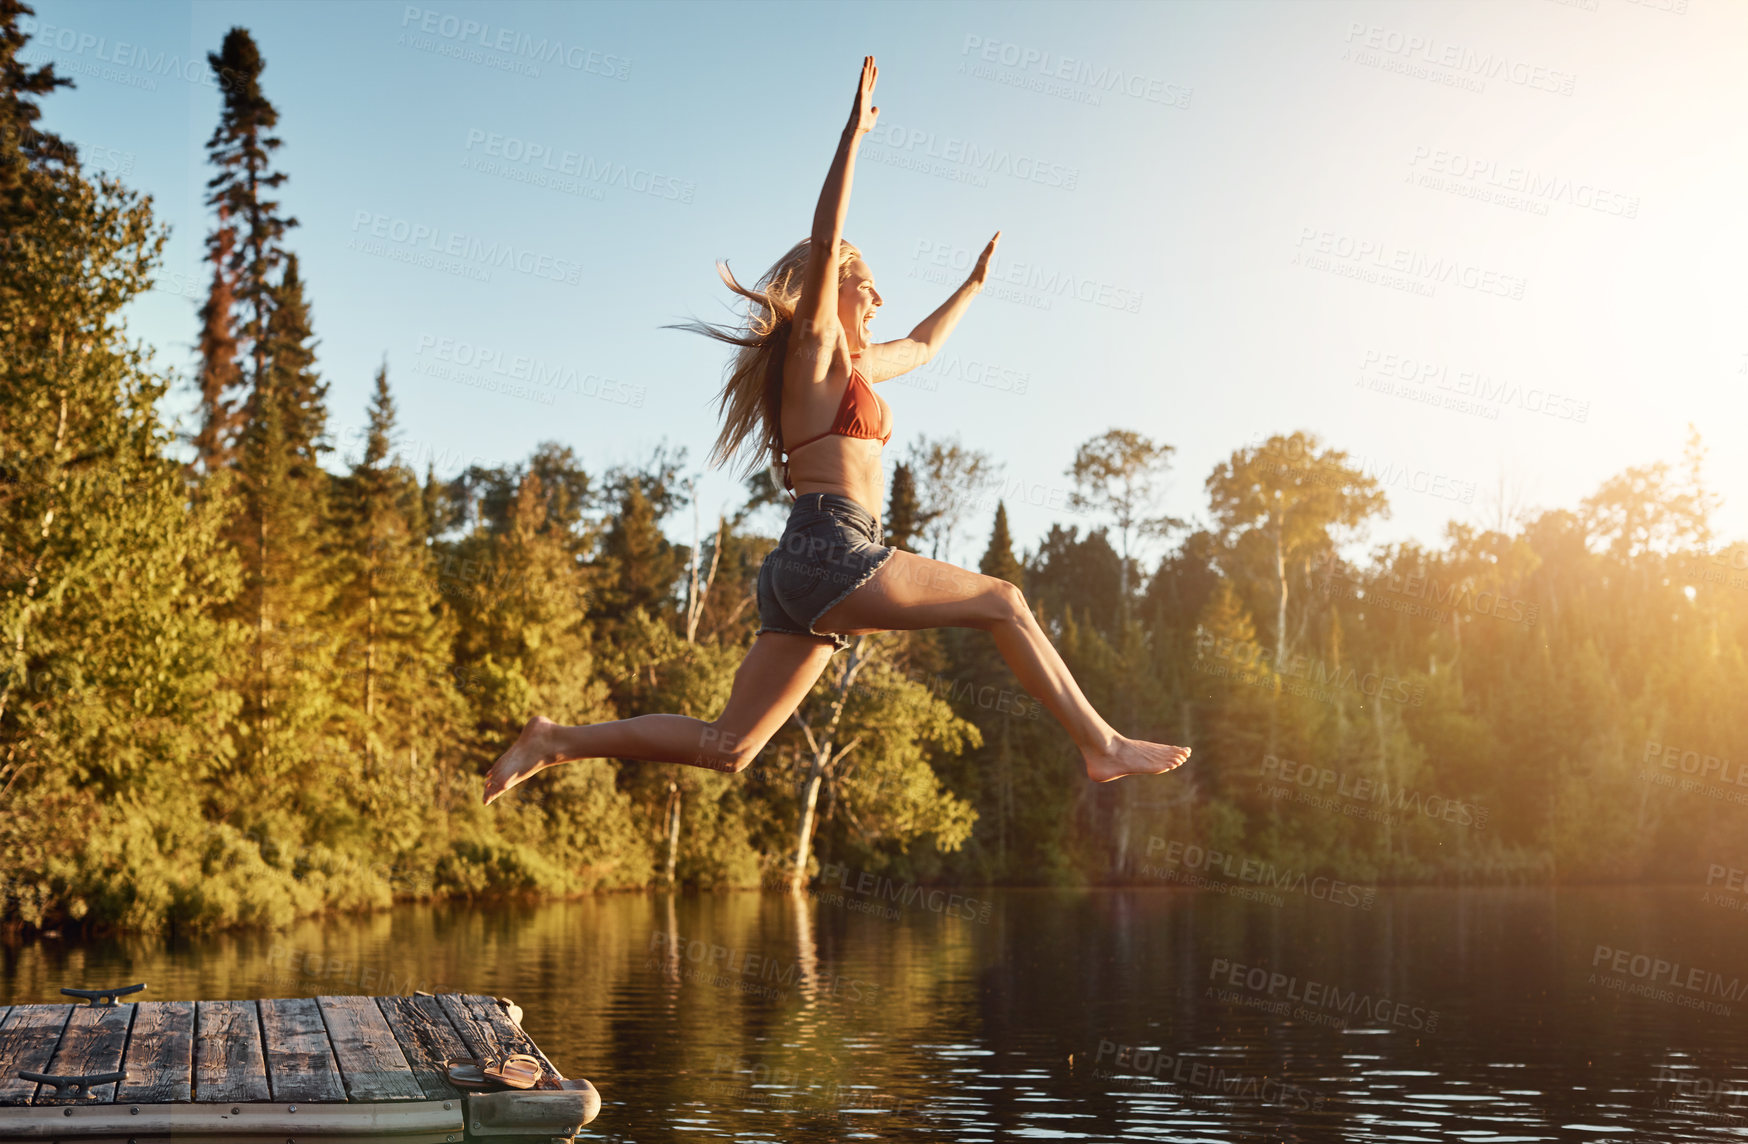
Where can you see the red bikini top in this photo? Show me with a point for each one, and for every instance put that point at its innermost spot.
(859, 415)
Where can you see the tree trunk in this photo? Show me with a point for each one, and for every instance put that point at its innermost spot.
(692, 569)
(695, 598)
(1122, 838)
(822, 761)
(261, 625)
(1004, 796)
(1123, 585)
(370, 668)
(1281, 608)
(674, 797)
(809, 800)
(1389, 778)
(258, 351)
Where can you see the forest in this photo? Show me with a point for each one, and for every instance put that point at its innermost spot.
(245, 677)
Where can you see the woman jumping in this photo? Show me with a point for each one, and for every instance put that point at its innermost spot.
(806, 354)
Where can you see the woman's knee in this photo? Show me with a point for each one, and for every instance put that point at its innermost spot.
(1005, 603)
(727, 750)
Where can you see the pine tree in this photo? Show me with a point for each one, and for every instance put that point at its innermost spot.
(289, 715)
(435, 505)
(999, 559)
(289, 353)
(280, 528)
(1015, 779)
(242, 148)
(523, 647)
(641, 565)
(395, 638)
(642, 652)
(1235, 682)
(293, 719)
(902, 509)
(28, 155)
(220, 378)
(1083, 574)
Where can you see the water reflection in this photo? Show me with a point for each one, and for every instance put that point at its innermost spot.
(1507, 1015)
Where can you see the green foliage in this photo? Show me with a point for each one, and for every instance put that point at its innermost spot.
(111, 656)
(903, 511)
(998, 558)
(247, 689)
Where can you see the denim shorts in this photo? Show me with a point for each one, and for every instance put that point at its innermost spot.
(829, 548)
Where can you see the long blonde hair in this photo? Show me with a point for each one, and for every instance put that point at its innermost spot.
(751, 400)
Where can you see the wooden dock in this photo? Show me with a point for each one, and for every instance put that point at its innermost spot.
(293, 1069)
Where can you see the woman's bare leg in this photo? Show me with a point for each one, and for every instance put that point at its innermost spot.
(908, 592)
(770, 683)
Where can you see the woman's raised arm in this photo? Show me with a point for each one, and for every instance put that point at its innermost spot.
(884, 360)
(816, 315)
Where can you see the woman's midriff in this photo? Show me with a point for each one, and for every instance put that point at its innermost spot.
(847, 466)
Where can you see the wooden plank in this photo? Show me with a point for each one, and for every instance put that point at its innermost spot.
(160, 1054)
(300, 1065)
(228, 1064)
(260, 1122)
(370, 1061)
(490, 1010)
(92, 1042)
(426, 1038)
(488, 1032)
(27, 1041)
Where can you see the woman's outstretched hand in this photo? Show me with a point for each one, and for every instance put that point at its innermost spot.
(862, 116)
(981, 270)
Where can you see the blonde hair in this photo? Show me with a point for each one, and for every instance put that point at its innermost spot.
(751, 400)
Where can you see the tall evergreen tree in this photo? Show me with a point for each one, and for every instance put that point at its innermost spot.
(291, 378)
(999, 559)
(522, 645)
(1015, 777)
(436, 516)
(641, 565)
(395, 638)
(902, 510)
(220, 378)
(242, 147)
(27, 153)
(290, 713)
(1082, 574)
(1237, 681)
(281, 530)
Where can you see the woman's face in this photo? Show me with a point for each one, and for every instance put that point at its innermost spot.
(857, 302)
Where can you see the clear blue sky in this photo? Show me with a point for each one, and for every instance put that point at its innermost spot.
(1220, 221)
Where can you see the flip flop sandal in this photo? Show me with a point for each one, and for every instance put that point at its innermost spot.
(518, 1070)
(465, 1073)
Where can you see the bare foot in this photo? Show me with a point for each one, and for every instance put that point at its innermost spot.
(1132, 757)
(530, 754)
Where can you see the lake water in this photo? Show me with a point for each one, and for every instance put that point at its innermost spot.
(882, 1012)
